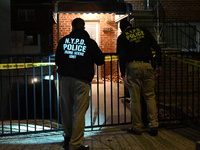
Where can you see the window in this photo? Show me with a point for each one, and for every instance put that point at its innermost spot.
(30, 39)
(26, 15)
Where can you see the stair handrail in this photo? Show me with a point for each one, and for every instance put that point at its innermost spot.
(159, 12)
(183, 21)
(177, 24)
(158, 9)
(160, 20)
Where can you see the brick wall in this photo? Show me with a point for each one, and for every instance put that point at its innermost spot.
(108, 32)
(137, 4)
(108, 29)
(187, 10)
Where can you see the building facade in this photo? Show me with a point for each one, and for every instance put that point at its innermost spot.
(31, 27)
(34, 31)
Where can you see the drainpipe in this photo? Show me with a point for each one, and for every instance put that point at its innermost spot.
(147, 4)
(58, 27)
(58, 20)
(158, 23)
(198, 41)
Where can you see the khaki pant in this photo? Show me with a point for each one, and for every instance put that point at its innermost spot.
(74, 103)
(142, 79)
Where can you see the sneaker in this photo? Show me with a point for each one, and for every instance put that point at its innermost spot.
(132, 131)
(153, 131)
(83, 147)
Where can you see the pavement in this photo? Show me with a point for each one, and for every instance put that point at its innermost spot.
(110, 138)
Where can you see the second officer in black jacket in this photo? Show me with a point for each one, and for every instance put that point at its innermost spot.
(134, 47)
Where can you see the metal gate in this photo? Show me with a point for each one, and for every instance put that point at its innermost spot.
(29, 93)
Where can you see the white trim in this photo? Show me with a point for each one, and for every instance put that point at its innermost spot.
(120, 17)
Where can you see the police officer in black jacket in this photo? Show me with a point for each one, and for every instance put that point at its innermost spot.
(75, 57)
(134, 47)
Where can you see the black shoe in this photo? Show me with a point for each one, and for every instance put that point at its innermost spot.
(83, 147)
(66, 143)
(153, 131)
(132, 131)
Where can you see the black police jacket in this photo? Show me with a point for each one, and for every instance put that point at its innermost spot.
(137, 44)
(76, 55)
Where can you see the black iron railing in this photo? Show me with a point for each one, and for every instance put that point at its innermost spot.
(29, 93)
(180, 34)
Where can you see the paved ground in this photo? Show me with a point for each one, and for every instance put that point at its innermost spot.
(110, 138)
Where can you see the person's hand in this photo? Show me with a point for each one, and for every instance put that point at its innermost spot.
(126, 83)
(158, 71)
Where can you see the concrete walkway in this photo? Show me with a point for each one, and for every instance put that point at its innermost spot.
(109, 138)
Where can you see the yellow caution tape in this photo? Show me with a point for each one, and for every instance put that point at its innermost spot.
(186, 60)
(111, 58)
(24, 65)
(107, 58)
(30, 65)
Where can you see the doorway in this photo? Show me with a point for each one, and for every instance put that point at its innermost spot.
(92, 27)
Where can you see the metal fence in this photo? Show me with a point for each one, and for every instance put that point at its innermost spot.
(179, 86)
(29, 93)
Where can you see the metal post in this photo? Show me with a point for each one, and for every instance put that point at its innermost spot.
(58, 27)
(147, 4)
(198, 41)
(158, 23)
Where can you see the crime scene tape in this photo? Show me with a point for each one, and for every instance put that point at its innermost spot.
(111, 58)
(24, 65)
(30, 65)
(186, 60)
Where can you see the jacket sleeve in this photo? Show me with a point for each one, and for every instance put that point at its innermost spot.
(157, 49)
(58, 54)
(98, 56)
(122, 56)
